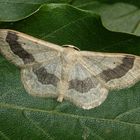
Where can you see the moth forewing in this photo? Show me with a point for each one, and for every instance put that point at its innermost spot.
(25, 50)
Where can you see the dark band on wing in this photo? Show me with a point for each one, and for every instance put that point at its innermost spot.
(44, 77)
(82, 85)
(120, 70)
(16, 47)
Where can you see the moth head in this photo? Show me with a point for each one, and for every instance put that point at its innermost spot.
(70, 53)
(71, 46)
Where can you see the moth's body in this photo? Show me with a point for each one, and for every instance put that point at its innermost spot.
(84, 78)
(68, 57)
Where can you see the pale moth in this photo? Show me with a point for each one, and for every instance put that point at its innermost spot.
(82, 77)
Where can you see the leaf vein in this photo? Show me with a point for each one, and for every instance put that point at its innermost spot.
(36, 125)
(4, 136)
(74, 21)
(127, 112)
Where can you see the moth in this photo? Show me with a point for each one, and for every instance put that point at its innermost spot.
(82, 77)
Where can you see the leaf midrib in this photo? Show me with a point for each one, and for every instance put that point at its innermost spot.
(54, 112)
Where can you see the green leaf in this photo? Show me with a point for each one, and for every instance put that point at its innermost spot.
(119, 16)
(14, 10)
(26, 117)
